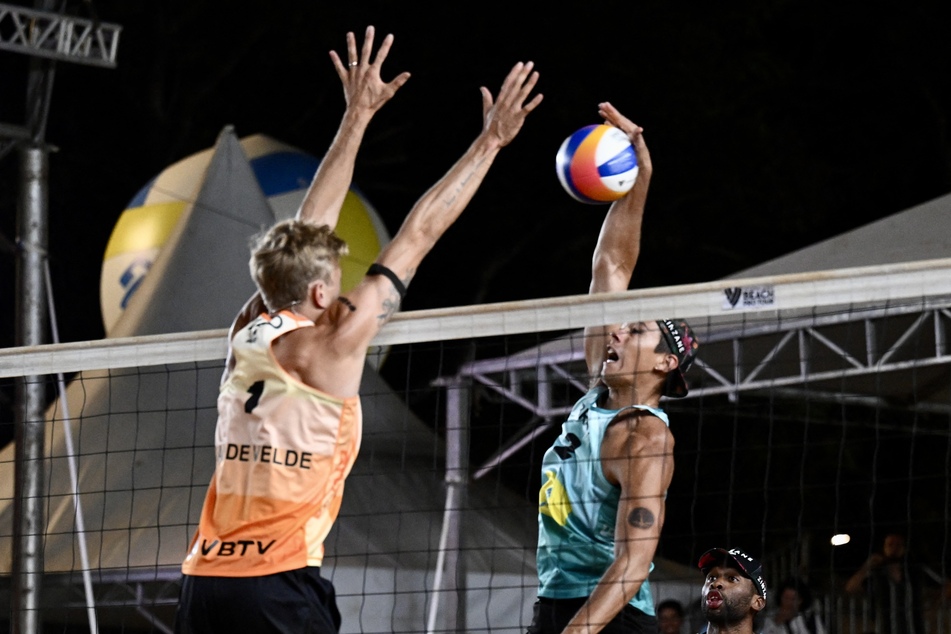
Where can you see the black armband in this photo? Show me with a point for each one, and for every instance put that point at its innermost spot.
(379, 269)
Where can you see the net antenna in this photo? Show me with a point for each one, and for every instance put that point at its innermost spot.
(46, 35)
(73, 470)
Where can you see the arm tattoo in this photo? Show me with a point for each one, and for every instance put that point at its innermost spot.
(640, 518)
(462, 185)
(390, 306)
(392, 303)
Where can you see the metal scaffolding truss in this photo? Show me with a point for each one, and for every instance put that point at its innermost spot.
(57, 36)
(836, 355)
(887, 356)
(142, 593)
(117, 592)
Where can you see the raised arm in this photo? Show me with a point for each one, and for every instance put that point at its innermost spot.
(439, 207)
(856, 583)
(619, 243)
(365, 93)
(638, 456)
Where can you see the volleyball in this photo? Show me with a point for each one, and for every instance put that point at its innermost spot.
(597, 164)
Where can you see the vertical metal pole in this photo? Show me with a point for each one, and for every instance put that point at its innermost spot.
(30, 394)
(457, 477)
(32, 219)
(450, 591)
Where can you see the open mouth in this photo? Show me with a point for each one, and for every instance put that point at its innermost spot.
(714, 600)
(611, 355)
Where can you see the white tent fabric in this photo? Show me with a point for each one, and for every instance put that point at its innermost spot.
(922, 232)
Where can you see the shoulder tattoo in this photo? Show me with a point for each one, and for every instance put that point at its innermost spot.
(390, 306)
(392, 302)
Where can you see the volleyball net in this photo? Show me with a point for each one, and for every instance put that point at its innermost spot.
(820, 405)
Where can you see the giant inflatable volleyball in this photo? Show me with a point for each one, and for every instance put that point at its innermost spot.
(283, 173)
(596, 164)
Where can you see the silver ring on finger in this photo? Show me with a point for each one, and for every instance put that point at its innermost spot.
(352, 64)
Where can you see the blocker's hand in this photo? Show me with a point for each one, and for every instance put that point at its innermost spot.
(363, 87)
(503, 117)
(635, 133)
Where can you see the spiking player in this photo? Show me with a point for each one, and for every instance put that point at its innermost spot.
(289, 420)
(601, 505)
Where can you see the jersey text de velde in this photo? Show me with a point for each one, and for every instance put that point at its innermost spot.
(265, 453)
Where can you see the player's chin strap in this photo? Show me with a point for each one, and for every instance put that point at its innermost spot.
(379, 269)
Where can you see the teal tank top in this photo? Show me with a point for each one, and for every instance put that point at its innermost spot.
(577, 507)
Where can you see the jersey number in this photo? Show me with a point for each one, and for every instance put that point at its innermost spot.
(255, 391)
(567, 452)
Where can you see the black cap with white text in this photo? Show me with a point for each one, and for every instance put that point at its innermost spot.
(683, 343)
(735, 557)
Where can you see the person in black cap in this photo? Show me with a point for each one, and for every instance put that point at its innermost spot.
(601, 504)
(734, 591)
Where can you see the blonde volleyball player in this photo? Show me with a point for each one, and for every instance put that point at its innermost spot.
(289, 420)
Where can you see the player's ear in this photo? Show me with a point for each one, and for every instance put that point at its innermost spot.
(669, 363)
(319, 294)
(758, 603)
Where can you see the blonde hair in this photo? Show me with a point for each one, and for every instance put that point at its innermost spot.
(291, 255)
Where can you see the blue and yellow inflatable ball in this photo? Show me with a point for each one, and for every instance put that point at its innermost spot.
(283, 173)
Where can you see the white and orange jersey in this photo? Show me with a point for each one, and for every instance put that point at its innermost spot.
(283, 450)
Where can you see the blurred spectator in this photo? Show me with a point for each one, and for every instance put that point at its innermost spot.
(793, 613)
(670, 617)
(892, 584)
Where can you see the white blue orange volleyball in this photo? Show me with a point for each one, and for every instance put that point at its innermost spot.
(597, 164)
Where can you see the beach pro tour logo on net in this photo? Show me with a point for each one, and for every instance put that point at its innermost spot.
(749, 297)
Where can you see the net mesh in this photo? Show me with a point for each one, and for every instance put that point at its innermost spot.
(820, 405)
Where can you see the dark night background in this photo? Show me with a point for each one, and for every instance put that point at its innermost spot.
(772, 125)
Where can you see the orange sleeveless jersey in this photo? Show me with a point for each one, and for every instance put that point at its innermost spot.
(283, 450)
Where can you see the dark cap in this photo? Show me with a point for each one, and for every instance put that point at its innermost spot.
(683, 344)
(744, 563)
